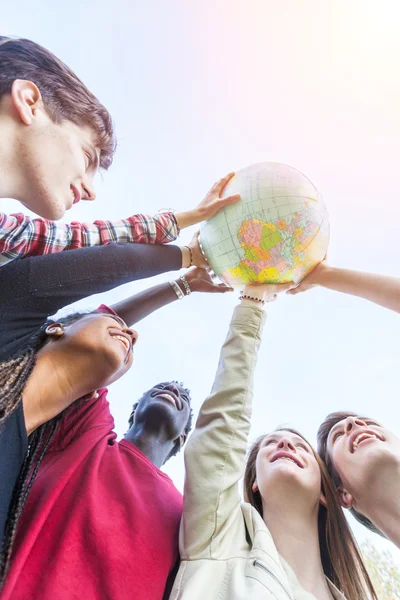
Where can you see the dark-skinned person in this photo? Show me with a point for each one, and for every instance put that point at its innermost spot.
(289, 537)
(65, 135)
(31, 290)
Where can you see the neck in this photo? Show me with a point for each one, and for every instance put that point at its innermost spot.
(11, 172)
(153, 444)
(55, 383)
(379, 501)
(295, 534)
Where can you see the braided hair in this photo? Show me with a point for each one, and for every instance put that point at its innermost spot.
(14, 374)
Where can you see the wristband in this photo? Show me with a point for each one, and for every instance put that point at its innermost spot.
(186, 285)
(177, 290)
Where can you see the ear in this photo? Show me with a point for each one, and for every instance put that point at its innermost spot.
(254, 487)
(26, 98)
(55, 330)
(345, 498)
(182, 439)
(322, 500)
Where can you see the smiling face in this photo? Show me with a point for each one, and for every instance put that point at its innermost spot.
(166, 405)
(101, 343)
(59, 162)
(286, 465)
(358, 448)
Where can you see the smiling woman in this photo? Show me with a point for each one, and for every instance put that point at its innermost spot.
(289, 538)
(363, 458)
(268, 489)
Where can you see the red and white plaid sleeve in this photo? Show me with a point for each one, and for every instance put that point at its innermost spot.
(21, 236)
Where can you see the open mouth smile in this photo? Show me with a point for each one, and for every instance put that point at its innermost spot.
(170, 398)
(125, 340)
(287, 456)
(357, 439)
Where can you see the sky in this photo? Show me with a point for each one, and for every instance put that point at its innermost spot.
(198, 89)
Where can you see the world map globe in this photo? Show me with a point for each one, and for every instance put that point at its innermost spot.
(277, 232)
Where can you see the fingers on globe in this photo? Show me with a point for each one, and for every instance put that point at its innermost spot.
(222, 183)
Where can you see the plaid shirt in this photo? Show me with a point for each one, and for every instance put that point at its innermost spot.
(22, 236)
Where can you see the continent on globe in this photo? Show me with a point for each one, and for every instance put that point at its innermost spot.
(278, 232)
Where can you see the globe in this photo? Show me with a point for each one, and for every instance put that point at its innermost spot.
(277, 232)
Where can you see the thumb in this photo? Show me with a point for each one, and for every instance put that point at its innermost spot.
(295, 289)
(285, 287)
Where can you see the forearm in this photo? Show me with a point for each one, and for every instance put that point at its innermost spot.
(188, 218)
(380, 289)
(21, 236)
(141, 305)
(216, 450)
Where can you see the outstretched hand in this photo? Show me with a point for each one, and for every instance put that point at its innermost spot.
(202, 280)
(213, 201)
(198, 258)
(268, 291)
(209, 206)
(312, 280)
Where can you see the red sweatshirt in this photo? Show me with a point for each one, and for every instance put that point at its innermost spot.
(101, 520)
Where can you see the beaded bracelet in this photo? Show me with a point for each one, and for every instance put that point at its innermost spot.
(246, 297)
(191, 255)
(185, 285)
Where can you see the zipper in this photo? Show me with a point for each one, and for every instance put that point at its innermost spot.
(260, 565)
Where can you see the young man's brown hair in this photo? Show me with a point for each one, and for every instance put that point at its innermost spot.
(64, 95)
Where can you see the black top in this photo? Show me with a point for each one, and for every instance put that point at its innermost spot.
(32, 289)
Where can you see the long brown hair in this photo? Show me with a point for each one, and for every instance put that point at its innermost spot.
(322, 446)
(340, 556)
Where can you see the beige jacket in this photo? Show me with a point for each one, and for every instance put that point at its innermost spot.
(227, 552)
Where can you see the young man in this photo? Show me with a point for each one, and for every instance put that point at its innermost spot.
(54, 135)
(363, 457)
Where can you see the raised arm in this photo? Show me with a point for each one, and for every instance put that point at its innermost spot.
(141, 305)
(34, 288)
(21, 236)
(380, 289)
(215, 453)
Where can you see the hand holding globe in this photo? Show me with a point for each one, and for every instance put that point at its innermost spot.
(277, 233)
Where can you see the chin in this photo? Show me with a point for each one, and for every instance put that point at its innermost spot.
(53, 211)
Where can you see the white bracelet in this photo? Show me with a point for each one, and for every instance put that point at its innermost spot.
(185, 285)
(177, 289)
(164, 210)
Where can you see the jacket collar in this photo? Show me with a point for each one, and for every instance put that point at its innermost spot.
(254, 524)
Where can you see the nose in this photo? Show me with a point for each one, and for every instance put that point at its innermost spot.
(286, 444)
(132, 334)
(352, 422)
(88, 191)
(173, 388)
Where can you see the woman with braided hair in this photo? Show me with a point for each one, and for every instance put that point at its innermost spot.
(46, 366)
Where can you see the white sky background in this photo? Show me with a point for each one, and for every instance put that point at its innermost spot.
(203, 87)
